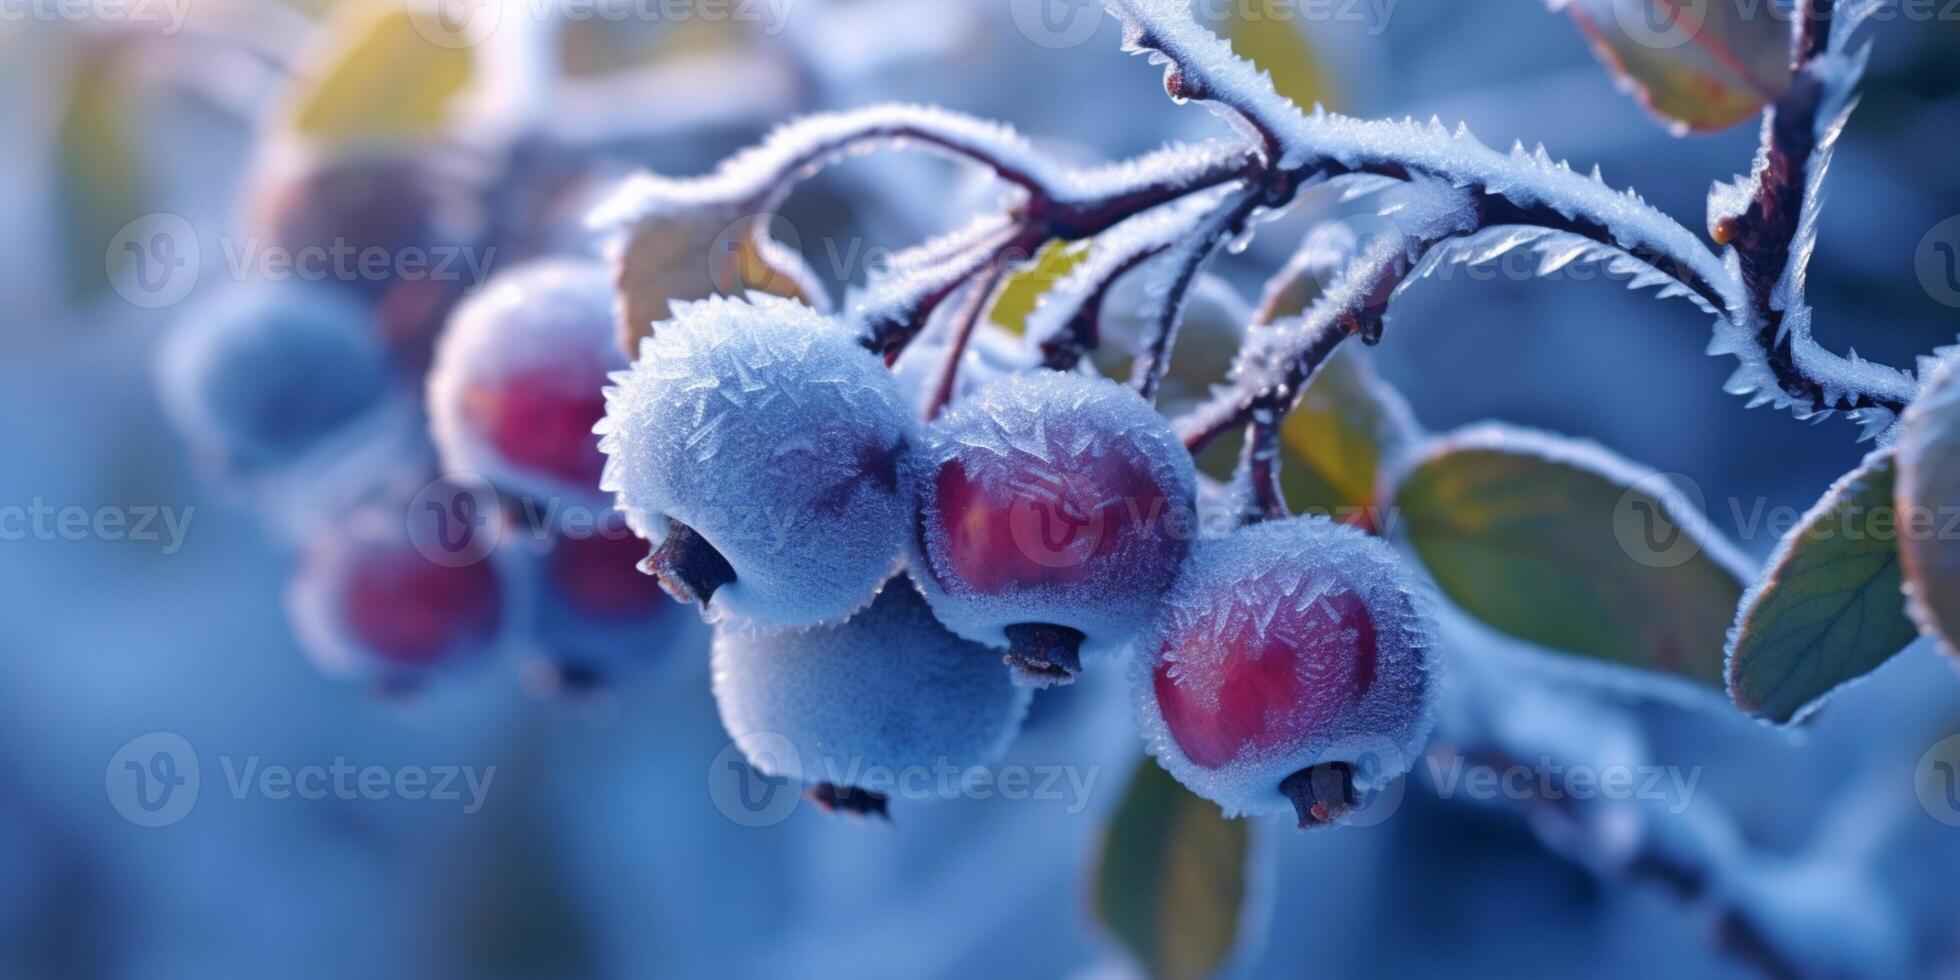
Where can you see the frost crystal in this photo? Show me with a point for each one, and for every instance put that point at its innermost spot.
(1077, 509)
(766, 428)
(1270, 590)
(888, 688)
(537, 339)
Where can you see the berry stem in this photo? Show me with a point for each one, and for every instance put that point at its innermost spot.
(688, 567)
(1044, 654)
(832, 798)
(1191, 257)
(1321, 794)
(979, 299)
(1261, 467)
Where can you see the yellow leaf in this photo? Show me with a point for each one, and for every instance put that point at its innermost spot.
(383, 78)
(1024, 288)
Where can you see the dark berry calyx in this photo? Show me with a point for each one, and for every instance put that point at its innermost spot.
(1321, 794)
(832, 798)
(688, 567)
(1044, 654)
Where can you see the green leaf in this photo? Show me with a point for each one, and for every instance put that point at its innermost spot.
(1562, 544)
(1928, 495)
(1171, 882)
(100, 182)
(1830, 609)
(1346, 424)
(1700, 66)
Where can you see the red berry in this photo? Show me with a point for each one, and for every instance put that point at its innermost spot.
(542, 420)
(1054, 512)
(1289, 668)
(394, 594)
(519, 381)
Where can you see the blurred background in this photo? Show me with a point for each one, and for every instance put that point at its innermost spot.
(591, 843)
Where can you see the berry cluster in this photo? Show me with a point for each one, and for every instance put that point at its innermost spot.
(425, 445)
(868, 574)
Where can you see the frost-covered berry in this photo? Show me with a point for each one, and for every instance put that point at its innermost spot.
(1289, 670)
(886, 692)
(758, 445)
(519, 381)
(594, 618)
(261, 374)
(1054, 512)
(392, 596)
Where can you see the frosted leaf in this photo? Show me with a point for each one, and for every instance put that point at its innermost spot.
(259, 376)
(766, 428)
(1286, 645)
(518, 379)
(889, 688)
(1050, 498)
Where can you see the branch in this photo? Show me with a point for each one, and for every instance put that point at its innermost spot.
(1768, 220)
(1259, 468)
(1185, 259)
(978, 300)
(1524, 188)
(1279, 360)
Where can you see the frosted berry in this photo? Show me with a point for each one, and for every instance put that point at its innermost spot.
(260, 375)
(402, 234)
(1288, 671)
(1054, 511)
(758, 446)
(887, 691)
(595, 620)
(394, 595)
(519, 381)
